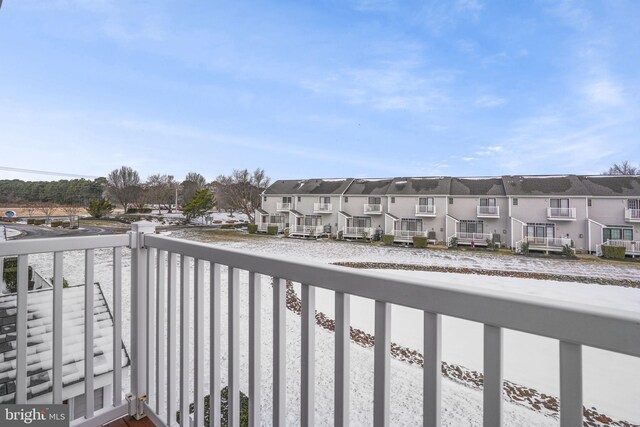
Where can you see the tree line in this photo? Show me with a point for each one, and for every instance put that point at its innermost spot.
(77, 192)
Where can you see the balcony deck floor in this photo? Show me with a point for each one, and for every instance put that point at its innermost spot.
(128, 421)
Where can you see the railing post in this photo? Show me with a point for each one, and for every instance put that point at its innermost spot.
(138, 316)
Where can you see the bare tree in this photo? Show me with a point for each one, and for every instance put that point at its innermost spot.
(48, 210)
(161, 189)
(623, 168)
(191, 184)
(123, 186)
(31, 209)
(71, 210)
(241, 190)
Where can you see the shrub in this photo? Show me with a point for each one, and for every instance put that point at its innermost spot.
(252, 228)
(217, 221)
(340, 235)
(56, 223)
(132, 210)
(10, 274)
(286, 232)
(453, 243)
(38, 222)
(65, 284)
(66, 225)
(272, 230)
(613, 252)
(567, 250)
(419, 242)
(387, 239)
(491, 244)
(224, 404)
(99, 207)
(226, 227)
(31, 221)
(524, 248)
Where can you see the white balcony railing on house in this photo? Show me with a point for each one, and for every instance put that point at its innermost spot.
(554, 244)
(488, 211)
(264, 226)
(163, 379)
(632, 215)
(425, 210)
(322, 207)
(306, 230)
(358, 232)
(283, 207)
(566, 214)
(478, 238)
(372, 208)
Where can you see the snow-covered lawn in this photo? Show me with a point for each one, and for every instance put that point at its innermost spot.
(612, 382)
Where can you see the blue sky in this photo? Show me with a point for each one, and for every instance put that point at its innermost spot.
(366, 88)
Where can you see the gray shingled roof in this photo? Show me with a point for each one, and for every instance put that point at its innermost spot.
(369, 187)
(544, 185)
(262, 211)
(309, 186)
(612, 185)
(420, 185)
(40, 343)
(477, 187)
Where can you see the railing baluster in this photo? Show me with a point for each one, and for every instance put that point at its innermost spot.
(57, 327)
(171, 338)
(184, 341)
(198, 339)
(342, 378)
(151, 314)
(254, 348)
(279, 353)
(214, 332)
(21, 329)
(382, 364)
(432, 369)
(308, 353)
(234, 347)
(492, 393)
(88, 332)
(117, 326)
(570, 384)
(160, 328)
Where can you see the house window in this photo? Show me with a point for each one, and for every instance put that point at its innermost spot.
(450, 200)
(515, 202)
(427, 202)
(299, 198)
(346, 199)
(359, 221)
(375, 200)
(325, 200)
(312, 220)
(633, 203)
(265, 198)
(589, 202)
(617, 233)
(410, 224)
(559, 203)
(470, 226)
(393, 200)
(488, 202)
(286, 200)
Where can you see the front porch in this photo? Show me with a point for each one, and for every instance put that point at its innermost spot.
(544, 244)
(471, 239)
(306, 230)
(631, 247)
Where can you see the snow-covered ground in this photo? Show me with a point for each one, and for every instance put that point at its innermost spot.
(611, 381)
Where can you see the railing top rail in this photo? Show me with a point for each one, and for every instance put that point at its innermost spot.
(601, 327)
(60, 244)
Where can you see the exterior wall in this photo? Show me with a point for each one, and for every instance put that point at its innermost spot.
(405, 207)
(608, 211)
(355, 207)
(534, 209)
(466, 208)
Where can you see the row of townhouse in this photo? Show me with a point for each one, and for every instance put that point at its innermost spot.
(547, 212)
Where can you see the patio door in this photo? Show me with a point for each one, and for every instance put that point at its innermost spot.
(359, 221)
(488, 202)
(410, 224)
(427, 202)
(539, 232)
(633, 203)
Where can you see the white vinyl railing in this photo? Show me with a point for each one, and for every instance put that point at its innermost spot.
(425, 210)
(263, 226)
(632, 247)
(632, 214)
(360, 232)
(283, 206)
(158, 279)
(372, 208)
(488, 211)
(561, 213)
(408, 234)
(322, 207)
(477, 237)
(557, 242)
(315, 230)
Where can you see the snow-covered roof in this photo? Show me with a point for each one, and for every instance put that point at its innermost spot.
(40, 343)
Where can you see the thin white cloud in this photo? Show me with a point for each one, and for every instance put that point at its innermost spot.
(604, 92)
(489, 101)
